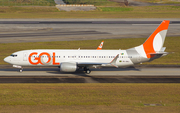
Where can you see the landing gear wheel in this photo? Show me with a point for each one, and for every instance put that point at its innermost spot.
(88, 71)
(21, 70)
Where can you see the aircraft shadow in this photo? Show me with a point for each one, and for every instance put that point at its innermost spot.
(79, 72)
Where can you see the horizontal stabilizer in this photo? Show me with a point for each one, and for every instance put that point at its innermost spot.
(159, 53)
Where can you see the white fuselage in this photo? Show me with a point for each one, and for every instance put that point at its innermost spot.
(54, 57)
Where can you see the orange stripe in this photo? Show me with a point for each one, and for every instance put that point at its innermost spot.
(148, 44)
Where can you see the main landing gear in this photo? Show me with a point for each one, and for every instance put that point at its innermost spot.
(87, 70)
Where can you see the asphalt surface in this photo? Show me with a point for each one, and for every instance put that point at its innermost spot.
(35, 30)
(103, 75)
(85, 22)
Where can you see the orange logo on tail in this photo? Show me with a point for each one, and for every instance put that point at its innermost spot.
(100, 46)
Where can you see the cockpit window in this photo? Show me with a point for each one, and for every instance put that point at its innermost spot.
(13, 55)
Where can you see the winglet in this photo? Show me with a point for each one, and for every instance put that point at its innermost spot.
(113, 62)
(100, 46)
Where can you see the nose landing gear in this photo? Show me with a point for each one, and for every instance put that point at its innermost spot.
(21, 70)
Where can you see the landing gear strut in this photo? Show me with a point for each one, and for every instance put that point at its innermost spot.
(19, 67)
(87, 70)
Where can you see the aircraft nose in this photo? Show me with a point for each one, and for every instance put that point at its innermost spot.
(6, 59)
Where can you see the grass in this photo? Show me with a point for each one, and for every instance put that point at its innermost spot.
(19, 10)
(116, 9)
(89, 98)
(93, 2)
(160, 1)
(171, 43)
(27, 3)
(101, 12)
(52, 3)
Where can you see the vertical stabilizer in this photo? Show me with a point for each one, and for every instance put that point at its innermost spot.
(100, 46)
(156, 40)
(154, 44)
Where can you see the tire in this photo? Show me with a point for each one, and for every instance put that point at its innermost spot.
(20, 70)
(88, 71)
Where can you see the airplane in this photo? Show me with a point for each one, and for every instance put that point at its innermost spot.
(69, 60)
(100, 46)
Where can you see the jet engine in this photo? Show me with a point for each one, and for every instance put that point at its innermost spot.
(68, 67)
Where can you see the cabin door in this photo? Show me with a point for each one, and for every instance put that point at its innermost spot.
(24, 56)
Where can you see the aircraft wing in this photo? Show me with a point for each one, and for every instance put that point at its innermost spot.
(90, 64)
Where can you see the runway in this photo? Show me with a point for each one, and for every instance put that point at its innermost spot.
(103, 75)
(85, 22)
(39, 30)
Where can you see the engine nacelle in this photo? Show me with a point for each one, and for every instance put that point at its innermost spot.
(68, 67)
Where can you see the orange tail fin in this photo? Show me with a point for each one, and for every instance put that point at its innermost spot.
(100, 46)
(156, 40)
